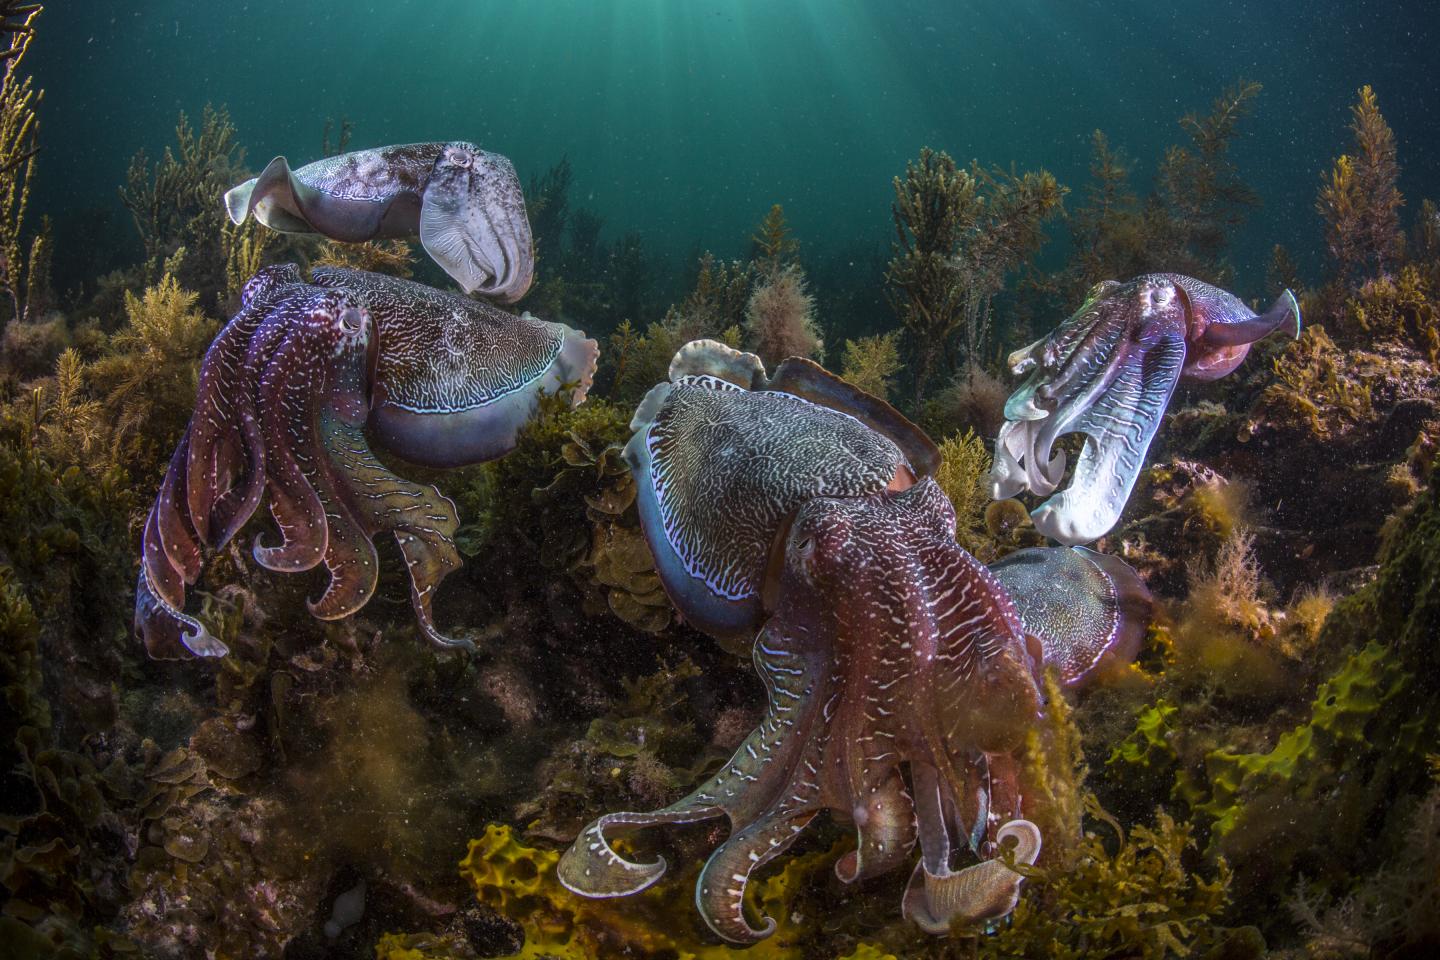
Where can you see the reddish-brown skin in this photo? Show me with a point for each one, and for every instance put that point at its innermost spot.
(890, 648)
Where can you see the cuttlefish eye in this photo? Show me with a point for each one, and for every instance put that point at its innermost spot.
(459, 157)
(352, 321)
(802, 553)
(1156, 296)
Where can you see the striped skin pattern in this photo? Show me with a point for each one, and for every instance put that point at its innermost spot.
(728, 465)
(282, 411)
(444, 353)
(1108, 372)
(889, 649)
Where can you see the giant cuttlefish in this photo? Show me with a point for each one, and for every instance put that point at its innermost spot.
(465, 203)
(900, 673)
(291, 392)
(1108, 372)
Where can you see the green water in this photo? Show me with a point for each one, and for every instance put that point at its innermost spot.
(685, 120)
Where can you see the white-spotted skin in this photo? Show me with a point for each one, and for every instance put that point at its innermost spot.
(287, 393)
(890, 649)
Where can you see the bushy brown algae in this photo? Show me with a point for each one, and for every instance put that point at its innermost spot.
(220, 809)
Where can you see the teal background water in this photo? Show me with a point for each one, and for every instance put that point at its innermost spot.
(686, 120)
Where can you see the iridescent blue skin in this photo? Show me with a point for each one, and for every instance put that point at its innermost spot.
(1108, 372)
(291, 393)
(745, 451)
(901, 674)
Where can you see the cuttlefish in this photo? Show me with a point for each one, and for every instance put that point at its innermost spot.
(464, 202)
(293, 391)
(1108, 372)
(901, 674)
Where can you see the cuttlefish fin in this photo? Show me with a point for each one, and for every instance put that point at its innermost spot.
(278, 198)
(711, 358)
(1118, 427)
(979, 893)
(810, 381)
(1085, 608)
(1284, 314)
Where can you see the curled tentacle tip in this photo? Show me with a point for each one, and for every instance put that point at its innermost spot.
(978, 894)
(592, 868)
(203, 643)
(733, 927)
(166, 630)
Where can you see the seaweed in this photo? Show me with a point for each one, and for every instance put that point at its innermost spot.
(1148, 894)
(1360, 200)
(173, 203)
(780, 317)
(394, 257)
(715, 308)
(958, 234)
(19, 130)
(1200, 197)
(871, 363)
(519, 882)
(1397, 309)
(1144, 899)
(1361, 744)
(148, 377)
(964, 476)
(1108, 231)
(773, 246)
(1314, 389)
(1183, 224)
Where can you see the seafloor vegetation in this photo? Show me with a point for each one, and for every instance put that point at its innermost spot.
(1263, 782)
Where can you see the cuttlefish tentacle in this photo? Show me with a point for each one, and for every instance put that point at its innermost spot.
(1118, 426)
(772, 778)
(286, 389)
(174, 532)
(422, 520)
(160, 619)
(983, 891)
(225, 472)
(720, 891)
(884, 829)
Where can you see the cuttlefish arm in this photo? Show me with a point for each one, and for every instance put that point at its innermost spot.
(1222, 328)
(1108, 372)
(982, 892)
(1118, 426)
